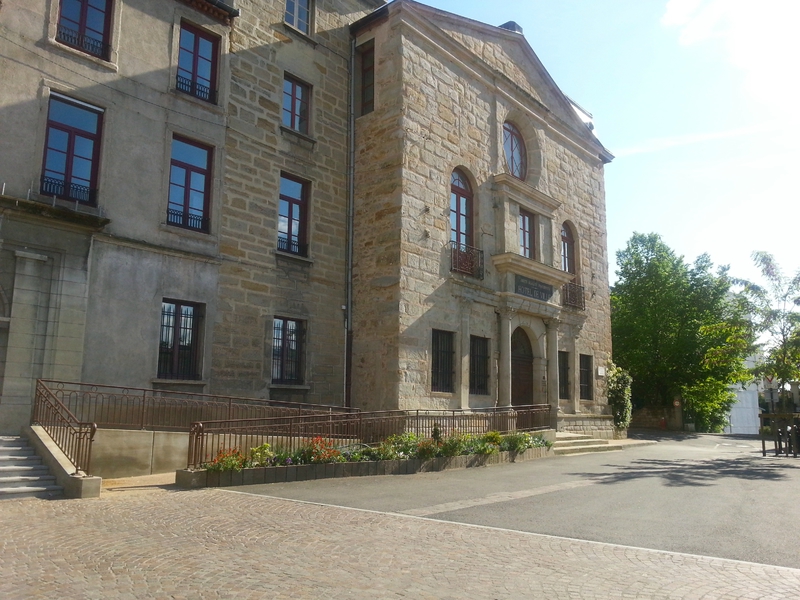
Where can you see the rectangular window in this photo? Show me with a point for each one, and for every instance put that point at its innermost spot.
(197, 63)
(292, 215)
(442, 361)
(189, 185)
(298, 14)
(563, 375)
(367, 56)
(527, 239)
(478, 365)
(85, 25)
(72, 150)
(287, 351)
(586, 377)
(296, 96)
(179, 349)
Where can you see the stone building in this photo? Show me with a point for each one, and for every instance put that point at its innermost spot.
(481, 271)
(254, 198)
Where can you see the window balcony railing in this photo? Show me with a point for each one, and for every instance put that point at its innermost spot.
(292, 246)
(186, 220)
(572, 295)
(191, 87)
(67, 191)
(466, 259)
(76, 39)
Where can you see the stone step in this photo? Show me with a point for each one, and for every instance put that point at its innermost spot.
(586, 448)
(16, 481)
(24, 459)
(11, 470)
(16, 451)
(572, 442)
(32, 491)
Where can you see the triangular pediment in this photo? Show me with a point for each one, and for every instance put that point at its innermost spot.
(510, 55)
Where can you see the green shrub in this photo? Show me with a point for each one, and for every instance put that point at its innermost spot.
(261, 456)
(492, 437)
(454, 444)
(319, 450)
(226, 460)
(427, 449)
(619, 395)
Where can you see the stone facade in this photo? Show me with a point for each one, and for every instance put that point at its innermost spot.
(445, 86)
(84, 283)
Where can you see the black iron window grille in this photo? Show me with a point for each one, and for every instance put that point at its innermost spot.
(572, 295)
(287, 351)
(198, 90)
(292, 246)
(586, 377)
(87, 43)
(442, 361)
(478, 365)
(466, 259)
(179, 347)
(563, 375)
(70, 191)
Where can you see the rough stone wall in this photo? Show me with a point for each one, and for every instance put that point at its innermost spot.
(453, 119)
(256, 282)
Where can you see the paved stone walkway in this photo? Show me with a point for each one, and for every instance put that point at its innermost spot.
(224, 544)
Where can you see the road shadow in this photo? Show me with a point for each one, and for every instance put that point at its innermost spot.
(676, 473)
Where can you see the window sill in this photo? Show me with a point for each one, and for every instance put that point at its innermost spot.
(176, 382)
(288, 386)
(106, 64)
(299, 34)
(293, 132)
(295, 257)
(210, 106)
(203, 236)
(443, 394)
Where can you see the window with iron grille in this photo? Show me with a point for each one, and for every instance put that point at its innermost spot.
(478, 365)
(366, 54)
(527, 239)
(189, 185)
(442, 361)
(287, 351)
(292, 215)
(514, 147)
(563, 375)
(586, 376)
(179, 349)
(85, 25)
(296, 98)
(197, 63)
(298, 14)
(72, 150)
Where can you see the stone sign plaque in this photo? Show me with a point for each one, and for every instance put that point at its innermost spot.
(532, 288)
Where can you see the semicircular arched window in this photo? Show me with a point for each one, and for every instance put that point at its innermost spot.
(514, 147)
(567, 249)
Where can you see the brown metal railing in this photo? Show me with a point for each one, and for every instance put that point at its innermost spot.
(207, 439)
(784, 431)
(572, 295)
(466, 259)
(114, 407)
(73, 437)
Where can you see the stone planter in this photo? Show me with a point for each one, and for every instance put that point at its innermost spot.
(202, 478)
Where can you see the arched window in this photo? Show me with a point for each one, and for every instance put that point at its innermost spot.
(514, 147)
(460, 209)
(567, 249)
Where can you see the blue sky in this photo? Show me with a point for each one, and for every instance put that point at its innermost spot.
(695, 100)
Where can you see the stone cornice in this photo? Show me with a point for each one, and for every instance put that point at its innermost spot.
(57, 215)
(526, 195)
(215, 9)
(519, 265)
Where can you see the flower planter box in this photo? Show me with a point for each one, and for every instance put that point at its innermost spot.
(201, 478)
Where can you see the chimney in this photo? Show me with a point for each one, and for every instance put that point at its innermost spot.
(512, 26)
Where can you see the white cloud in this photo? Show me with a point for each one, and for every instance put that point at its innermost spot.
(760, 38)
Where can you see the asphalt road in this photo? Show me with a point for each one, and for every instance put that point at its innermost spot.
(705, 494)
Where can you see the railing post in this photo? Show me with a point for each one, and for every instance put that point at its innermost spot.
(144, 407)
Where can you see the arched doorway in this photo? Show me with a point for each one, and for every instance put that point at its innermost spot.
(521, 368)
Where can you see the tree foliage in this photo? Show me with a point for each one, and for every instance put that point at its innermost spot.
(774, 308)
(678, 330)
(619, 395)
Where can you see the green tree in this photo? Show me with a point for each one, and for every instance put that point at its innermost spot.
(678, 330)
(774, 307)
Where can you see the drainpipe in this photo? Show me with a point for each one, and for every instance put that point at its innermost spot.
(351, 154)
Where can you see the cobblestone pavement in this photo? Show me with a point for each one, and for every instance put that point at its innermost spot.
(223, 544)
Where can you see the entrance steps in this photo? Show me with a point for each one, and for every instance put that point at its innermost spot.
(576, 443)
(22, 474)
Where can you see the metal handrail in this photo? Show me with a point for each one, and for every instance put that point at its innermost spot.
(207, 438)
(72, 436)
